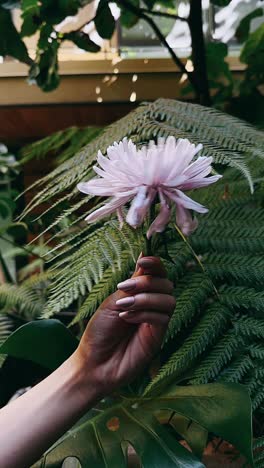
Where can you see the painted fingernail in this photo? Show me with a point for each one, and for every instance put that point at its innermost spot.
(127, 285)
(125, 301)
(123, 314)
(145, 261)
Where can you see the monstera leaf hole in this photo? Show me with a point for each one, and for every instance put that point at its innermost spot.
(132, 458)
(71, 462)
(113, 424)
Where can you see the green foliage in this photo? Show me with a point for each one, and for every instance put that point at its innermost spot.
(10, 40)
(63, 144)
(104, 20)
(30, 342)
(42, 18)
(217, 408)
(221, 3)
(136, 422)
(217, 327)
(243, 28)
(253, 55)
(82, 41)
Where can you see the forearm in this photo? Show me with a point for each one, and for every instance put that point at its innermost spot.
(33, 422)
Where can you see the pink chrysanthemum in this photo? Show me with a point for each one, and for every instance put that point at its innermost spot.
(164, 169)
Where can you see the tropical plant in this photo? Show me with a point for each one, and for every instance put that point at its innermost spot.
(217, 329)
(210, 69)
(103, 435)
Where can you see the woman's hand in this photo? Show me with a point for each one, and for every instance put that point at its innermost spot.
(118, 343)
(128, 328)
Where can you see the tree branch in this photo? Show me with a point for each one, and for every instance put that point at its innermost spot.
(141, 14)
(164, 14)
(195, 21)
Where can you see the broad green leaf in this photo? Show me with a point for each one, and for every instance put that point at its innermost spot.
(221, 3)
(5, 211)
(195, 435)
(104, 20)
(216, 52)
(100, 442)
(222, 409)
(45, 342)
(212, 406)
(16, 230)
(165, 3)
(83, 41)
(243, 28)
(10, 41)
(253, 50)
(127, 18)
(10, 4)
(55, 12)
(44, 71)
(31, 17)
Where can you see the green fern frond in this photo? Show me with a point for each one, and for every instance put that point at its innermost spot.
(237, 369)
(245, 269)
(212, 364)
(212, 323)
(250, 327)
(78, 274)
(6, 328)
(242, 297)
(22, 299)
(105, 286)
(196, 288)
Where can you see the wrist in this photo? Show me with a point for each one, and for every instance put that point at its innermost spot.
(84, 380)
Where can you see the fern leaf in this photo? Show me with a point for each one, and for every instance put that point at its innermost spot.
(204, 334)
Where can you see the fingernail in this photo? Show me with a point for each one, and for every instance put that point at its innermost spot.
(127, 285)
(141, 255)
(127, 313)
(145, 261)
(123, 314)
(125, 301)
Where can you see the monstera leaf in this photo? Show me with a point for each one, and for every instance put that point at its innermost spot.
(102, 440)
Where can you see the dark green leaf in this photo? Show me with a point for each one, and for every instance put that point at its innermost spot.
(45, 342)
(10, 41)
(17, 230)
(222, 409)
(30, 15)
(195, 435)
(219, 408)
(221, 3)
(44, 70)
(104, 20)
(10, 4)
(243, 28)
(216, 52)
(127, 18)
(55, 12)
(253, 50)
(82, 40)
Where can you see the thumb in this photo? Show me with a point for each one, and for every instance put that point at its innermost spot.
(138, 270)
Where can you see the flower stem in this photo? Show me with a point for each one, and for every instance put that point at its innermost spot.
(149, 252)
(195, 256)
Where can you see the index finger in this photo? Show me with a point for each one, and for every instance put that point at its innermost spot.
(152, 266)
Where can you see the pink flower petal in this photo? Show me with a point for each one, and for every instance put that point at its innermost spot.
(140, 206)
(107, 209)
(161, 221)
(198, 182)
(186, 202)
(184, 220)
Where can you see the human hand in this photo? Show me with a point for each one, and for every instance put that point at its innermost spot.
(128, 328)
